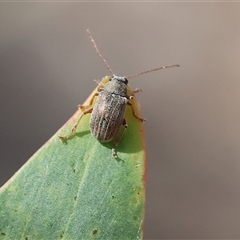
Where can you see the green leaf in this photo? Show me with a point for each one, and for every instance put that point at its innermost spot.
(77, 190)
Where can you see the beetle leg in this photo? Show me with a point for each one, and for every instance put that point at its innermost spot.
(100, 86)
(83, 108)
(100, 89)
(134, 114)
(124, 123)
(97, 82)
(114, 154)
(73, 131)
(137, 90)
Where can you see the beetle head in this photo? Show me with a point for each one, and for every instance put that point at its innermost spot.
(117, 85)
(119, 79)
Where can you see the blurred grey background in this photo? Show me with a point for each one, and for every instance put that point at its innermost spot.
(47, 67)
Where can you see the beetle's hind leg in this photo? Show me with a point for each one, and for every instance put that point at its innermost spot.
(117, 141)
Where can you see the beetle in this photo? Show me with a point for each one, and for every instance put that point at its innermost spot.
(107, 114)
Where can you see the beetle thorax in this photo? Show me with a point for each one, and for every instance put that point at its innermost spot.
(117, 85)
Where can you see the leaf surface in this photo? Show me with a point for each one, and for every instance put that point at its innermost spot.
(77, 190)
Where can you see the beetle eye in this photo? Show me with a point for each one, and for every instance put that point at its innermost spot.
(126, 81)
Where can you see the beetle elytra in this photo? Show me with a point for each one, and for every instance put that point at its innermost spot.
(107, 114)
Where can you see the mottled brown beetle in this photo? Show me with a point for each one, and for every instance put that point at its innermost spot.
(107, 115)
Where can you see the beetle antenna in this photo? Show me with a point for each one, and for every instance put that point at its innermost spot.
(98, 52)
(151, 70)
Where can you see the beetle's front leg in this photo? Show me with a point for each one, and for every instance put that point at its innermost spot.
(100, 86)
(137, 90)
